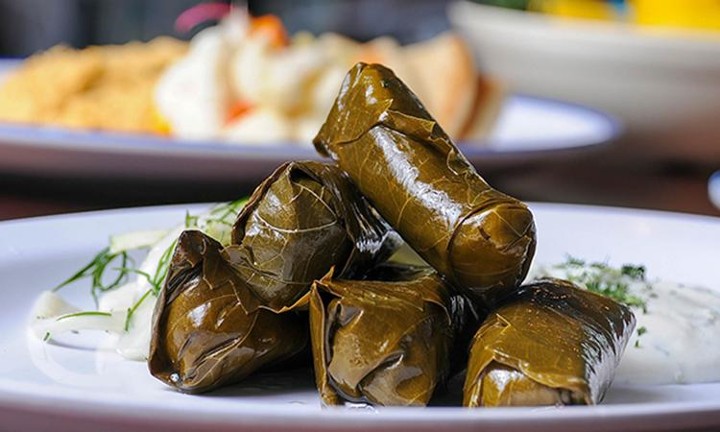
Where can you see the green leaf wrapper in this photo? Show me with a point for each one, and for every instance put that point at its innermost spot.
(411, 172)
(383, 342)
(551, 343)
(204, 336)
(304, 219)
(224, 313)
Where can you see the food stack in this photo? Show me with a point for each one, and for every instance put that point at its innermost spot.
(314, 264)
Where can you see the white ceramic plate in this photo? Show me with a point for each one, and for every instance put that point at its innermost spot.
(59, 388)
(663, 84)
(528, 129)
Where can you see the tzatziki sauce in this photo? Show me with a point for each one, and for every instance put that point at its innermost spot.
(677, 336)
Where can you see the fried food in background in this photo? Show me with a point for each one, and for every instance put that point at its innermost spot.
(245, 81)
(242, 81)
(100, 87)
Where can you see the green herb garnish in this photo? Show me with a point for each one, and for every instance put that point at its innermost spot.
(82, 314)
(95, 270)
(191, 221)
(157, 279)
(640, 331)
(162, 269)
(134, 307)
(603, 279)
(226, 213)
(219, 221)
(216, 224)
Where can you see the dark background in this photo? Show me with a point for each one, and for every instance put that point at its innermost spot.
(29, 26)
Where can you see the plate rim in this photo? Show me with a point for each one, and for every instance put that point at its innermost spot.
(56, 152)
(59, 138)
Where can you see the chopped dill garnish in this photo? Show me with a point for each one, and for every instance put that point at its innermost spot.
(603, 279)
(134, 307)
(626, 284)
(46, 337)
(157, 279)
(633, 272)
(640, 331)
(226, 213)
(575, 262)
(95, 270)
(82, 314)
(110, 268)
(161, 272)
(190, 220)
(219, 221)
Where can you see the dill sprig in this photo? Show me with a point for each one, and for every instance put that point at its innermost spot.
(158, 279)
(215, 224)
(219, 221)
(609, 281)
(640, 331)
(191, 221)
(133, 308)
(226, 213)
(83, 314)
(96, 271)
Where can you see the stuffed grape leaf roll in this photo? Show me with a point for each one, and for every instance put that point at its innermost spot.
(207, 328)
(302, 220)
(383, 343)
(551, 343)
(225, 312)
(406, 165)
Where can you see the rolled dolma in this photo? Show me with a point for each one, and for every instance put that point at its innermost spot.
(302, 220)
(382, 342)
(406, 165)
(550, 343)
(207, 327)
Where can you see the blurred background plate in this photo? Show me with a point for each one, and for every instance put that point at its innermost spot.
(528, 130)
(663, 84)
(714, 189)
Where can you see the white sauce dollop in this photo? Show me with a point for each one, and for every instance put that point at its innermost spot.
(682, 341)
(677, 337)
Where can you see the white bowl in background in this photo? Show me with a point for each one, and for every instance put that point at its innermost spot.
(714, 189)
(665, 85)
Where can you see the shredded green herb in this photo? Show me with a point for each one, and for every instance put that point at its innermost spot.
(82, 314)
(613, 282)
(226, 213)
(216, 225)
(96, 271)
(219, 221)
(191, 221)
(131, 310)
(606, 280)
(157, 279)
(640, 331)
(162, 269)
